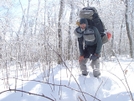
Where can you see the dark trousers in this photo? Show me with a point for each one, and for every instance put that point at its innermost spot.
(89, 50)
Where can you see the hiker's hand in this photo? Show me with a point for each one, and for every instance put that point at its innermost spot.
(94, 57)
(81, 58)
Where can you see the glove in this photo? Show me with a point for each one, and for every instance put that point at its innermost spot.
(94, 57)
(81, 58)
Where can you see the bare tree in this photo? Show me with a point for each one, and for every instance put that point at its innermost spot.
(129, 33)
(70, 30)
(61, 10)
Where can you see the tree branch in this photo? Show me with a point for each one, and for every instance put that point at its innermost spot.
(27, 93)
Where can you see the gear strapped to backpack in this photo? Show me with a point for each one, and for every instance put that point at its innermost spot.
(90, 13)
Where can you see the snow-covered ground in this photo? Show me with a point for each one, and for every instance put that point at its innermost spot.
(65, 83)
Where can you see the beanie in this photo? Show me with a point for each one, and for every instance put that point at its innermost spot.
(83, 21)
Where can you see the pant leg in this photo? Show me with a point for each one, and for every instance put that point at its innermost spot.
(95, 64)
(96, 67)
(83, 66)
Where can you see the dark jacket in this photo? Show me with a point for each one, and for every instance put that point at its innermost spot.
(96, 44)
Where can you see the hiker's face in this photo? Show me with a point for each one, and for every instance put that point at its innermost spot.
(82, 26)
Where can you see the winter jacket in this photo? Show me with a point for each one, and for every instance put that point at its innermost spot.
(83, 43)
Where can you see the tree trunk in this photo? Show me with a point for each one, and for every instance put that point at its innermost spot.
(131, 43)
(36, 17)
(113, 39)
(120, 38)
(70, 32)
(60, 30)
(87, 3)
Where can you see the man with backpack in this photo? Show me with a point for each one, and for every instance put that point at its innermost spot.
(90, 44)
(91, 35)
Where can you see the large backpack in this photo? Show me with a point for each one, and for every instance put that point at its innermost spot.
(90, 13)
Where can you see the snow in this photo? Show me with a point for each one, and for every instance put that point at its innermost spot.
(65, 83)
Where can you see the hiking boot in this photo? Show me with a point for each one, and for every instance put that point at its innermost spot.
(84, 74)
(96, 72)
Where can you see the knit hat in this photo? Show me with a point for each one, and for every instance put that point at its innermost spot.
(83, 21)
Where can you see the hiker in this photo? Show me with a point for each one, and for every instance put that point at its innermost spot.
(90, 44)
